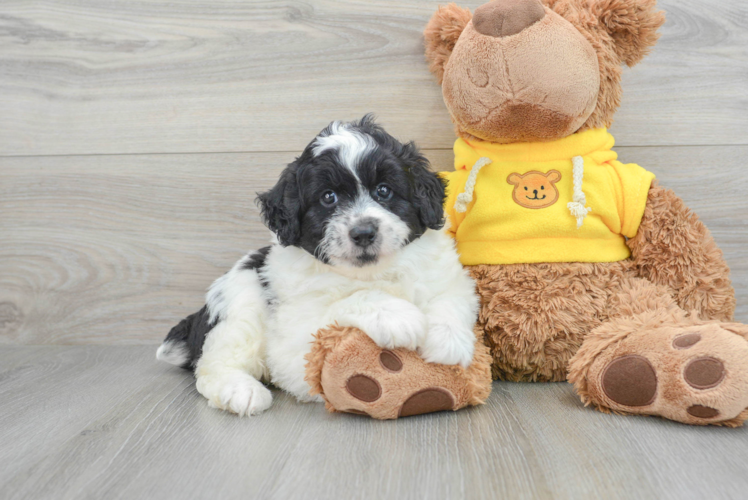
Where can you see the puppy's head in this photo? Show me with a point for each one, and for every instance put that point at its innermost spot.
(355, 196)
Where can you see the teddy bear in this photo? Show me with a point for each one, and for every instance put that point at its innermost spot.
(588, 270)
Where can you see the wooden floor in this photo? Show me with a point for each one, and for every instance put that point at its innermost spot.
(108, 422)
(133, 138)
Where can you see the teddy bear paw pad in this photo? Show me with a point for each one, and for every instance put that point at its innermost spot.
(390, 361)
(427, 401)
(696, 375)
(630, 381)
(364, 388)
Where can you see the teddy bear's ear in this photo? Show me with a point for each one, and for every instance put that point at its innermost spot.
(514, 179)
(553, 176)
(632, 24)
(441, 34)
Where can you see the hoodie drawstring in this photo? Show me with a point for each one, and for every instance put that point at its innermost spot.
(466, 197)
(577, 207)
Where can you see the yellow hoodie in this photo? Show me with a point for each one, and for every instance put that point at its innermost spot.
(563, 201)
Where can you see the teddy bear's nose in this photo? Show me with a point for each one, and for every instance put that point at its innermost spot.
(501, 18)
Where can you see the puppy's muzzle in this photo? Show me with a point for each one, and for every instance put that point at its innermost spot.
(364, 234)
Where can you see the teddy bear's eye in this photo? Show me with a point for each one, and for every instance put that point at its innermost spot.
(542, 187)
(525, 188)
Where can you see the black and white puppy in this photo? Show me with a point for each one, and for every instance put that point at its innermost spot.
(357, 219)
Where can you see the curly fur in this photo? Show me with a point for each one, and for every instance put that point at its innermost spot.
(674, 248)
(536, 316)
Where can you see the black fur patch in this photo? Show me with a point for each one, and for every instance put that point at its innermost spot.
(257, 259)
(256, 262)
(191, 333)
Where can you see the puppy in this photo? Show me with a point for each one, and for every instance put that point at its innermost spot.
(358, 242)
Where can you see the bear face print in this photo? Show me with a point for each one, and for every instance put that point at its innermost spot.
(535, 189)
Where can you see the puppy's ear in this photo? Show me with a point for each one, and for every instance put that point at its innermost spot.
(427, 187)
(632, 24)
(281, 207)
(441, 34)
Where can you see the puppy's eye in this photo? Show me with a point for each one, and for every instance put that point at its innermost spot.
(329, 199)
(383, 192)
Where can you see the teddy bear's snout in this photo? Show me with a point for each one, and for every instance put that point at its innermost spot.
(501, 18)
(520, 72)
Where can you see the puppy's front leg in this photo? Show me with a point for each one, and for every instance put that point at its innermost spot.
(389, 321)
(451, 317)
(229, 370)
(233, 356)
(450, 339)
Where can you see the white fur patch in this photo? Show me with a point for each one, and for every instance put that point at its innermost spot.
(175, 353)
(391, 322)
(350, 145)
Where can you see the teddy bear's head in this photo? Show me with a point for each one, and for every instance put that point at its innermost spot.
(522, 70)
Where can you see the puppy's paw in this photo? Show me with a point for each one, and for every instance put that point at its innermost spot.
(448, 345)
(236, 392)
(399, 324)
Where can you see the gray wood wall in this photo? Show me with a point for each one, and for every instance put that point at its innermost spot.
(134, 136)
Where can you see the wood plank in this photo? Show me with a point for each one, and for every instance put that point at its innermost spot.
(117, 249)
(111, 422)
(93, 76)
(93, 241)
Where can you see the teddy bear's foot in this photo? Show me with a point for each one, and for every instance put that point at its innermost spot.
(354, 375)
(669, 365)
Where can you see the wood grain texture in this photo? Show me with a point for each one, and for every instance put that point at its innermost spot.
(117, 249)
(89, 76)
(111, 422)
(104, 241)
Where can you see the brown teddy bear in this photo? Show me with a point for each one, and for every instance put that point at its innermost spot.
(588, 270)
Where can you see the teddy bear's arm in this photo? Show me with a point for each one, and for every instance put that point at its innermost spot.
(674, 248)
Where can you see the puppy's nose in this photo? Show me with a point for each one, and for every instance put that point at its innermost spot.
(507, 17)
(364, 234)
